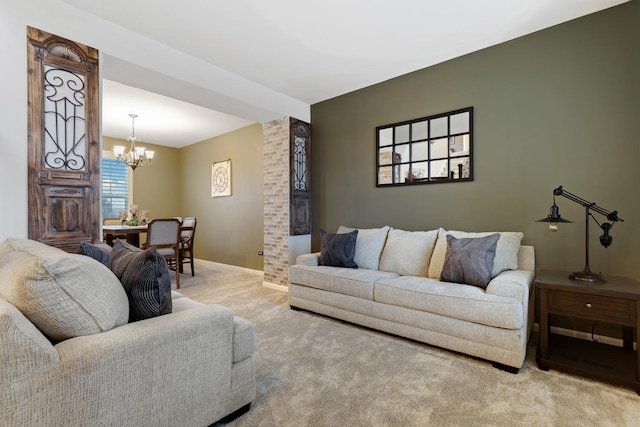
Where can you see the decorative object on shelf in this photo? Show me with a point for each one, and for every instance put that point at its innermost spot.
(554, 218)
(135, 216)
(135, 156)
(221, 178)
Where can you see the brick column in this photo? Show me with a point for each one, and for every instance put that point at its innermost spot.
(280, 249)
(276, 201)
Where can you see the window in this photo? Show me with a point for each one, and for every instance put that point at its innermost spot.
(115, 188)
(427, 150)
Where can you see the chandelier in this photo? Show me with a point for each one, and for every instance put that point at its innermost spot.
(135, 156)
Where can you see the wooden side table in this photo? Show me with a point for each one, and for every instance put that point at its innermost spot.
(617, 302)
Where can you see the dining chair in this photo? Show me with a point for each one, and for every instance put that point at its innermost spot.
(164, 235)
(186, 242)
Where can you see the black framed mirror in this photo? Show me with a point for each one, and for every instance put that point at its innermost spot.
(427, 150)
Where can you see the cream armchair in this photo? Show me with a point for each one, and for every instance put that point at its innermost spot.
(191, 367)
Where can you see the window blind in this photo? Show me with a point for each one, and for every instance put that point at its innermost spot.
(115, 188)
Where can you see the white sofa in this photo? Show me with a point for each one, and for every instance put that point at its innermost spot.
(398, 289)
(191, 367)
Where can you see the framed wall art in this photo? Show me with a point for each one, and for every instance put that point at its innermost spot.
(221, 178)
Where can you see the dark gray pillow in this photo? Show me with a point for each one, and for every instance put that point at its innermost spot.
(470, 260)
(145, 277)
(98, 251)
(338, 250)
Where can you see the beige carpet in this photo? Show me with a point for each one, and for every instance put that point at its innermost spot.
(317, 371)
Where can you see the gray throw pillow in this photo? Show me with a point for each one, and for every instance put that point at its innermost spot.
(145, 277)
(470, 260)
(338, 250)
(98, 251)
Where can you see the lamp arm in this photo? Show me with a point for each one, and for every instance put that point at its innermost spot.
(611, 215)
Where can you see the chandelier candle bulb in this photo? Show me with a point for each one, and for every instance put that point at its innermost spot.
(136, 156)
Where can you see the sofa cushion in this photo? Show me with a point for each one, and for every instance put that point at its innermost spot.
(453, 300)
(64, 295)
(348, 281)
(506, 257)
(338, 250)
(145, 277)
(407, 253)
(369, 244)
(470, 260)
(98, 251)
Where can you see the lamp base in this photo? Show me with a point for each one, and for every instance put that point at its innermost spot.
(587, 276)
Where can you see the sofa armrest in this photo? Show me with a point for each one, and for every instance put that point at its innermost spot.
(512, 284)
(150, 372)
(526, 258)
(310, 260)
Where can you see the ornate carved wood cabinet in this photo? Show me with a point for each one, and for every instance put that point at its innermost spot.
(63, 139)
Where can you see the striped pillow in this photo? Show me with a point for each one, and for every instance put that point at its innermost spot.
(98, 251)
(145, 277)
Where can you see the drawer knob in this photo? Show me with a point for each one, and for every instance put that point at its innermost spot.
(588, 305)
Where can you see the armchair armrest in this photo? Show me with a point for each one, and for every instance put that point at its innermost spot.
(149, 372)
(159, 339)
(310, 260)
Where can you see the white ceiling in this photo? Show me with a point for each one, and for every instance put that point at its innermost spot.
(161, 120)
(309, 51)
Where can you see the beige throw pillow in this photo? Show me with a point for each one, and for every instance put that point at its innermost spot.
(369, 244)
(506, 257)
(64, 295)
(408, 252)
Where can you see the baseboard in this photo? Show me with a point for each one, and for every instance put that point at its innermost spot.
(236, 267)
(269, 285)
(582, 335)
(587, 336)
(275, 286)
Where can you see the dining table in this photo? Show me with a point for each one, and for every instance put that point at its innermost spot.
(132, 233)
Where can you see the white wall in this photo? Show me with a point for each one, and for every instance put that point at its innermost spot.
(15, 16)
(176, 75)
(13, 124)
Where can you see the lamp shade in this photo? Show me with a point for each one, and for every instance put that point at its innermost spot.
(554, 215)
(554, 218)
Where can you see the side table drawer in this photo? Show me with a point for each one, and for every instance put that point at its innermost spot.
(597, 307)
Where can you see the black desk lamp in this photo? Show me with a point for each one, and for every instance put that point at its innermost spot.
(605, 239)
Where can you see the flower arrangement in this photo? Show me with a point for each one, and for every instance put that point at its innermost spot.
(131, 217)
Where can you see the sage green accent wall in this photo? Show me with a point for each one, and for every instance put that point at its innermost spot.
(557, 107)
(156, 187)
(230, 229)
